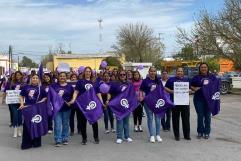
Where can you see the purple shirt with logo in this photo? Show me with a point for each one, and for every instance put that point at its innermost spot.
(32, 94)
(117, 87)
(66, 92)
(199, 81)
(82, 85)
(149, 85)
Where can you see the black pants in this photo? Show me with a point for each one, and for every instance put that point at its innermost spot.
(11, 114)
(27, 142)
(50, 123)
(71, 119)
(184, 111)
(137, 115)
(165, 121)
(83, 124)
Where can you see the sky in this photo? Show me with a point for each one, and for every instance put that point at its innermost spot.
(34, 26)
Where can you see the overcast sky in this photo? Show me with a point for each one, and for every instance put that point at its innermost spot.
(32, 26)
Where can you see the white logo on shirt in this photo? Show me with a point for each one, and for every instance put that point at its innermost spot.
(88, 86)
(61, 92)
(216, 96)
(31, 93)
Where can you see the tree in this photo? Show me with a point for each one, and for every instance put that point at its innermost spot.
(186, 53)
(27, 62)
(113, 61)
(138, 44)
(46, 59)
(218, 35)
(213, 64)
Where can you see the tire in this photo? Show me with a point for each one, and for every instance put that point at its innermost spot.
(225, 88)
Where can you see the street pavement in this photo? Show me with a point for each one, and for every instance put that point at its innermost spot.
(223, 145)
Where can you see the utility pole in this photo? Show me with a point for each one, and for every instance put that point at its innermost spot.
(10, 53)
(100, 20)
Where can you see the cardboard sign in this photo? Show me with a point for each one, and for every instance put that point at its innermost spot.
(181, 93)
(12, 96)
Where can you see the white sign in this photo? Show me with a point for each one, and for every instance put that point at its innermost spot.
(181, 93)
(12, 96)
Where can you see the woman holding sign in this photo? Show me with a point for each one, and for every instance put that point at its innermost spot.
(32, 94)
(176, 87)
(150, 84)
(82, 85)
(203, 113)
(61, 120)
(16, 84)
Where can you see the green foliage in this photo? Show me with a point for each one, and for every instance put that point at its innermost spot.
(27, 62)
(186, 53)
(113, 61)
(213, 64)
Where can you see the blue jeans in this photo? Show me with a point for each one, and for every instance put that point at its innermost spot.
(150, 114)
(17, 115)
(108, 115)
(122, 126)
(61, 126)
(203, 116)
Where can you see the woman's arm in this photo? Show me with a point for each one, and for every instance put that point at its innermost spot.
(42, 100)
(73, 98)
(169, 90)
(21, 102)
(195, 88)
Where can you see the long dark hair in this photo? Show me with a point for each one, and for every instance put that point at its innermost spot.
(50, 81)
(134, 72)
(199, 68)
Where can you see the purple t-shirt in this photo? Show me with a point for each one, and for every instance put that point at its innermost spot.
(170, 83)
(66, 92)
(82, 85)
(12, 86)
(149, 85)
(32, 94)
(116, 87)
(199, 81)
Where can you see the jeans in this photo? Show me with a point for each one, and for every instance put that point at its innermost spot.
(203, 116)
(150, 114)
(108, 115)
(16, 114)
(61, 126)
(123, 126)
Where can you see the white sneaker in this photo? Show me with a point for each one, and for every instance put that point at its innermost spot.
(118, 141)
(15, 132)
(136, 128)
(50, 132)
(152, 139)
(140, 128)
(158, 138)
(129, 140)
(19, 132)
(107, 131)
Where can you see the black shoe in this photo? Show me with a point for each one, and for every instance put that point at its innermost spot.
(177, 138)
(97, 141)
(84, 142)
(57, 144)
(199, 136)
(187, 138)
(206, 136)
(72, 134)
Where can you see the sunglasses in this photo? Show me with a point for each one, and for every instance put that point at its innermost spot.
(122, 74)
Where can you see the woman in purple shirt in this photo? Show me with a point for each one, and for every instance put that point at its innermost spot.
(82, 85)
(32, 94)
(122, 126)
(47, 81)
(149, 84)
(16, 84)
(203, 114)
(61, 120)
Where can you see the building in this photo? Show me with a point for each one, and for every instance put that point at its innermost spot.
(4, 64)
(77, 60)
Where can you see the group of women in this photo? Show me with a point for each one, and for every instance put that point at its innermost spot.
(70, 86)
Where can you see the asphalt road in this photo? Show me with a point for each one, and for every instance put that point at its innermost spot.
(223, 145)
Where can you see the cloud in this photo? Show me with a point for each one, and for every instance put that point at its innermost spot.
(29, 24)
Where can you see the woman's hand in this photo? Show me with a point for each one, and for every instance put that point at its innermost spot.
(21, 107)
